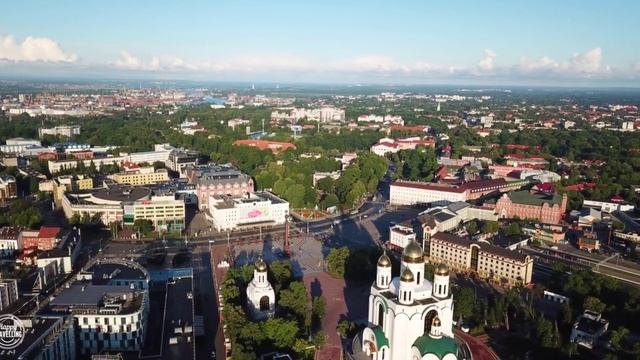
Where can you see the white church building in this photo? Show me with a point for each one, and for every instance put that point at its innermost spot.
(410, 317)
(261, 299)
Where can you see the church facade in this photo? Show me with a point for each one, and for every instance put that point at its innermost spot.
(409, 316)
(261, 299)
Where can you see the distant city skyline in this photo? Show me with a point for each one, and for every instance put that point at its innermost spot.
(402, 42)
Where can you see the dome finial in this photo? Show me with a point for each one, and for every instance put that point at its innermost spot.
(384, 260)
(261, 265)
(412, 253)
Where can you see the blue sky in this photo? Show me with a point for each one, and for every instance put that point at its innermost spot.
(543, 41)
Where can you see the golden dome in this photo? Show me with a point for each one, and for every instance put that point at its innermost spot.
(261, 266)
(384, 260)
(436, 322)
(442, 270)
(407, 275)
(412, 253)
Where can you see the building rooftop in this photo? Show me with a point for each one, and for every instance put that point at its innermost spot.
(484, 247)
(10, 232)
(122, 193)
(535, 199)
(103, 273)
(88, 298)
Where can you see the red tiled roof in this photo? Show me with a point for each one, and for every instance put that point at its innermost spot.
(49, 232)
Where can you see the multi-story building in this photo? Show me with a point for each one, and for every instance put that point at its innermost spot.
(489, 261)
(10, 240)
(106, 202)
(400, 235)
(66, 183)
(47, 238)
(18, 145)
(107, 317)
(546, 208)
(413, 192)
(274, 146)
(251, 211)
(141, 176)
(8, 188)
(47, 338)
(8, 293)
(161, 153)
(165, 212)
(387, 145)
(218, 180)
(62, 130)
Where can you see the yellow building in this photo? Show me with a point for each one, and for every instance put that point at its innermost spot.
(488, 261)
(165, 212)
(141, 176)
(67, 183)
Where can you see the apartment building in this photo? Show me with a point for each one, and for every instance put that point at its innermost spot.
(488, 261)
(141, 176)
(10, 240)
(8, 293)
(62, 130)
(8, 188)
(46, 238)
(47, 338)
(107, 317)
(545, 208)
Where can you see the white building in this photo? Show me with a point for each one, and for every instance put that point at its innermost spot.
(107, 317)
(62, 130)
(409, 317)
(8, 293)
(401, 235)
(387, 145)
(411, 193)
(10, 240)
(18, 145)
(253, 210)
(588, 328)
(608, 207)
(261, 299)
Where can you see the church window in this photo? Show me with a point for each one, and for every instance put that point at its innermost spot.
(264, 303)
(380, 315)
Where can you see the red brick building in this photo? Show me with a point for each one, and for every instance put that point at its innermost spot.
(50, 155)
(82, 155)
(545, 208)
(47, 238)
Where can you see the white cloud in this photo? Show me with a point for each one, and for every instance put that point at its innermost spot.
(586, 65)
(487, 62)
(127, 61)
(33, 49)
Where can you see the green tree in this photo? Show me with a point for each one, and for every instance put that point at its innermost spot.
(326, 185)
(337, 261)
(464, 303)
(594, 304)
(490, 227)
(281, 274)
(144, 226)
(318, 308)
(282, 333)
(618, 338)
(296, 300)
